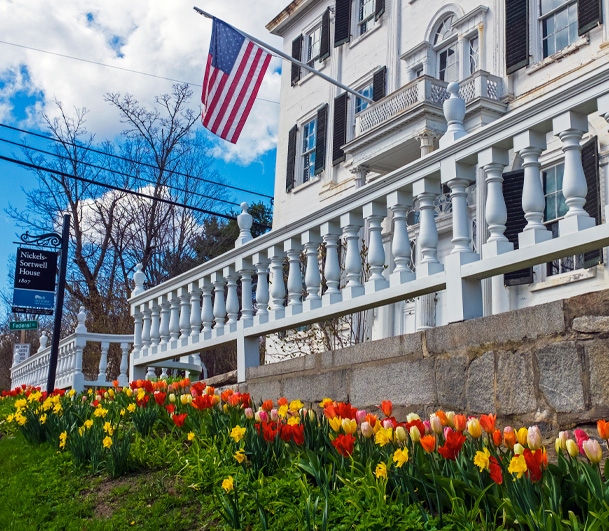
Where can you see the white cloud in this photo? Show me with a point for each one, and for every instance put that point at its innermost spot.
(162, 38)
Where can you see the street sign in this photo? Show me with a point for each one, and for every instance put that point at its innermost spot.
(23, 325)
(35, 281)
(21, 352)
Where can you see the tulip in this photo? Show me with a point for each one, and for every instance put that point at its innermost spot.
(360, 416)
(349, 425)
(487, 422)
(98, 397)
(106, 395)
(563, 437)
(415, 434)
(534, 438)
(474, 428)
(448, 430)
(264, 416)
(367, 430)
(257, 416)
(460, 422)
(387, 407)
(189, 398)
(497, 438)
(184, 399)
(412, 416)
(572, 448)
(387, 424)
(557, 445)
(436, 424)
(215, 400)
(603, 429)
(593, 450)
(249, 413)
(521, 435)
(450, 417)
(172, 398)
(400, 434)
(274, 415)
(427, 425)
(518, 449)
(509, 437)
(84, 398)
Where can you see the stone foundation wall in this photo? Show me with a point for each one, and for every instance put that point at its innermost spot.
(548, 365)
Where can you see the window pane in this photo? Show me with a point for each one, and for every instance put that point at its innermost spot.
(572, 32)
(562, 205)
(562, 39)
(366, 9)
(561, 19)
(560, 171)
(550, 212)
(548, 26)
(549, 180)
(548, 5)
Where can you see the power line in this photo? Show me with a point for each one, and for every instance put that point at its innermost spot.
(177, 188)
(111, 66)
(46, 137)
(125, 190)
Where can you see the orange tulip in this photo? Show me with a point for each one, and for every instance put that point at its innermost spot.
(282, 401)
(267, 405)
(488, 423)
(497, 438)
(603, 429)
(460, 422)
(509, 437)
(428, 442)
(442, 416)
(387, 407)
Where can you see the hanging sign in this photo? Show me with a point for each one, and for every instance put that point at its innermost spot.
(35, 281)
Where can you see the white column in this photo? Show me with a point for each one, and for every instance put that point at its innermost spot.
(184, 315)
(207, 312)
(492, 161)
(103, 362)
(293, 248)
(351, 224)
(155, 324)
(399, 202)
(232, 297)
(277, 256)
(245, 269)
(195, 312)
(461, 236)
(570, 128)
(219, 305)
(137, 341)
(123, 378)
(375, 213)
(261, 263)
(331, 234)
(78, 382)
(174, 319)
(311, 241)
(426, 191)
(145, 328)
(164, 327)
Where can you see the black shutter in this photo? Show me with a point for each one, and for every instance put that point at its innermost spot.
(516, 34)
(342, 22)
(324, 45)
(340, 128)
(593, 199)
(378, 83)
(320, 141)
(589, 15)
(379, 9)
(291, 165)
(296, 54)
(512, 193)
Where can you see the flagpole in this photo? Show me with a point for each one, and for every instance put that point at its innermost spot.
(289, 58)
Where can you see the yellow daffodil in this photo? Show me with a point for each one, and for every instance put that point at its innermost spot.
(57, 409)
(71, 393)
(21, 403)
(293, 421)
(296, 406)
(88, 423)
(21, 420)
(335, 423)
(237, 433)
(34, 397)
(400, 456)
(240, 456)
(43, 418)
(107, 442)
(131, 408)
(101, 412)
(191, 436)
(10, 418)
(228, 484)
(90, 392)
(383, 436)
(482, 459)
(47, 404)
(62, 439)
(81, 431)
(518, 465)
(282, 411)
(122, 412)
(325, 402)
(381, 471)
(108, 428)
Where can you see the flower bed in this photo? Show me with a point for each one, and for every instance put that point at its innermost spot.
(445, 469)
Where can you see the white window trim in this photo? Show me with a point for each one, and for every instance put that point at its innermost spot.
(305, 75)
(299, 164)
(376, 24)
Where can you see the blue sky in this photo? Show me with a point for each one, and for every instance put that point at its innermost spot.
(170, 40)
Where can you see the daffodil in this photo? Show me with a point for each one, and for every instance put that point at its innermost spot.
(107, 442)
(43, 418)
(71, 393)
(10, 418)
(384, 436)
(88, 423)
(237, 433)
(282, 411)
(21, 420)
(191, 436)
(122, 412)
(57, 409)
(296, 406)
(62, 439)
(482, 459)
(228, 484)
(21, 403)
(292, 421)
(400, 456)
(101, 412)
(108, 428)
(240, 456)
(518, 465)
(381, 471)
(131, 408)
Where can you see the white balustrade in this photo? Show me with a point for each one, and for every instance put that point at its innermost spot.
(293, 248)
(219, 304)
(375, 214)
(311, 242)
(232, 298)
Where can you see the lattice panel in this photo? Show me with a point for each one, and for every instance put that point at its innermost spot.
(467, 91)
(438, 93)
(379, 113)
(492, 90)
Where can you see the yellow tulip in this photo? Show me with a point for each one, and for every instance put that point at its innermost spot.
(349, 425)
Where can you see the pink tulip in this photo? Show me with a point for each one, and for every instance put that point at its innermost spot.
(427, 426)
(447, 431)
(274, 415)
(360, 416)
(580, 437)
(534, 438)
(249, 413)
(367, 430)
(592, 450)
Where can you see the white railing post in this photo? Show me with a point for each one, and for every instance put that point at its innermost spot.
(174, 319)
(103, 362)
(330, 232)
(375, 213)
(399, 202)
(195, 312)
(219, 305)
(155, 327)
(245, 270)
(207, 306)
(184, 315)
(137, 345)
(277, 292)
(78, 379)
(164, 326)
(530, 144)
(351, 224)
(232, 297)
(146, 322)
(293, 248)
(492, 161)
(244, 221)
(570, 127)
(426, 191)
(261, 263)
(123, 378)
(311, 241)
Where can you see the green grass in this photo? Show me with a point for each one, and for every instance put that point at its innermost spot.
(41, 489)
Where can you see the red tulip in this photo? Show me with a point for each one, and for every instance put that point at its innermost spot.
(488, 423)
(452, 446)
(179, 419)
(495, 470)
(344, 444)
(160, 398)
(533, 460)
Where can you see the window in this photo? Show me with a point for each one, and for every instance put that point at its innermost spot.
(474, 54)
(360, 103)
(559, 24)
(313, 45)
(309, 138)
(448, 62)
(365, 15)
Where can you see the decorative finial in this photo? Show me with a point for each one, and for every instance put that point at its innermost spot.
(44, 339)
(82, 316)
(138, 278)
(454, 112)
(244, 220)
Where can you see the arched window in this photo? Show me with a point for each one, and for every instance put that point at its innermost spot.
(445, 44)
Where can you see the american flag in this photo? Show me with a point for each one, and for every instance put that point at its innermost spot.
(234, 71)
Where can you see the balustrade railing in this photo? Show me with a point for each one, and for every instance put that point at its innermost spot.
(201, 309)
(429, 90)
